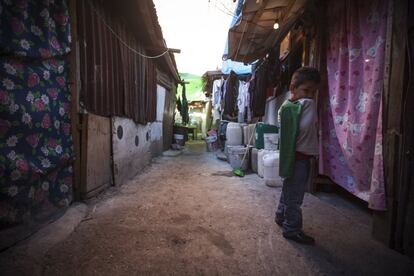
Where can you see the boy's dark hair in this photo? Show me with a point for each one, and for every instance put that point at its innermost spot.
(305, 74)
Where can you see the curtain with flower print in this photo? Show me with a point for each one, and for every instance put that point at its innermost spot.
(36, 150)
(351, 117)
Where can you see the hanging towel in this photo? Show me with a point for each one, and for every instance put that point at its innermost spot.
(290, 117)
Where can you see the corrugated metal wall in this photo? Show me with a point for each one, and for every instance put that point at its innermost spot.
(114, 80)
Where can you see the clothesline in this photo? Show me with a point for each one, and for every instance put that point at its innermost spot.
(121, 40)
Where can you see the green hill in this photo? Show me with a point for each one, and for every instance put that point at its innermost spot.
(194, 90)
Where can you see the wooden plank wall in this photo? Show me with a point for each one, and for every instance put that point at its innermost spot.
(384, 223)
(96, 168)
(406, 228)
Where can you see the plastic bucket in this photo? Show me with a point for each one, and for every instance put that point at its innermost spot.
(235, 158)
(179, 139)
(211, 143)
(254, 159)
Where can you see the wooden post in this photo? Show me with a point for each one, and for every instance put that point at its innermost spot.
(73, 80)
(384, 222)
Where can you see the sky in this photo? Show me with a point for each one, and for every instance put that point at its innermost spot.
(199, 28)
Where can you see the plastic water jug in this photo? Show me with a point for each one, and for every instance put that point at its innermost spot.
(234, 134)
(260, 155)
(271, 141)
(245, 135)
(261, 129)
(254, 159)
(271, 169)
(250, 132)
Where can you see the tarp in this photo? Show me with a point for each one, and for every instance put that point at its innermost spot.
(238, 67)
(228, 65)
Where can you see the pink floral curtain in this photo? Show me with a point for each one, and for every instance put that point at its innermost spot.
(351, 115)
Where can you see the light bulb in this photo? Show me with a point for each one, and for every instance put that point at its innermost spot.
(276, 26)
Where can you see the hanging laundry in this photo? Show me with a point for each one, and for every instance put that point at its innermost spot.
(243, 101)
(230, 97)
(184, 107)
(216, 93)
(258, 91)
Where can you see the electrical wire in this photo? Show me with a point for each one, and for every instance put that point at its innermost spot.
(226, 8)
(120, 39)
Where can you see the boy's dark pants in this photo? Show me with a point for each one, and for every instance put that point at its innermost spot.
(289, 211)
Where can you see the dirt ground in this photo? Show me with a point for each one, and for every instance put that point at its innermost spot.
(188, 215)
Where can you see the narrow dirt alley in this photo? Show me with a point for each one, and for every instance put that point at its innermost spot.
(188, 215)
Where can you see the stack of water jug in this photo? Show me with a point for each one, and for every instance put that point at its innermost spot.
(259, 144)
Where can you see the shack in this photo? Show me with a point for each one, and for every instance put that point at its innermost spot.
(87, 94)
(364, 51)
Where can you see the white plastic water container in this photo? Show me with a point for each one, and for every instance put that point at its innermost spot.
(251, 131)
(270, 116)
(254, 159)
(271, 169)
(260, 169)
(245, 135)
(234, 134)
(271, 140)
(236, 154)
(226, 150)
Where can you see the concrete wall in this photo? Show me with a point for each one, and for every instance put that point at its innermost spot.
(156, 147)
(131, 144)
(116, 149)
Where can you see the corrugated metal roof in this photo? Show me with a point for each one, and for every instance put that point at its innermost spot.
(253, 35)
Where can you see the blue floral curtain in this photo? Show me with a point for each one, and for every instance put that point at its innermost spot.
(36, 150)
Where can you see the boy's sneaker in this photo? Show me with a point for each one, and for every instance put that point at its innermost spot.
(300, 238)
(279, 222)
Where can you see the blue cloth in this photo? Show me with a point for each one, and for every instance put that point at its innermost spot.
(238, 67)
(289, 211)
(228, 65)
(36, 149)
(235, 19)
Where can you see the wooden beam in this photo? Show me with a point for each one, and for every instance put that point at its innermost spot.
(288, 8)
(161, 50)
(74, 90)
(260, 11)
(395, 59)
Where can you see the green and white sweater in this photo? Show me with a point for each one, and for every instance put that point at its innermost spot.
(298, 133)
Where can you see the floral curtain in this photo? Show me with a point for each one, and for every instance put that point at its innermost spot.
(36, 150)
(351, 117)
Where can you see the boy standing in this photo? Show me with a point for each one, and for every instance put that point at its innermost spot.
(298, 144)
